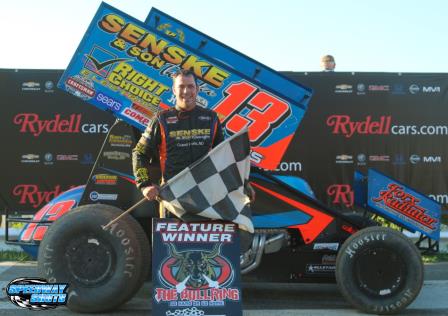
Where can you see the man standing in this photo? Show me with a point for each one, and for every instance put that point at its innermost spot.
(176, 137)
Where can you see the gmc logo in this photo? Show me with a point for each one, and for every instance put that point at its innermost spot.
(341, 194)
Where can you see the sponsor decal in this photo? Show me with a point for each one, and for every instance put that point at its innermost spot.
(120, 140)
(204, 118)
(399, 160)
(326, 246)
(341, 194)
(30, 86)
(379, 158)
(100, 61)
(414, 89)
(344, 158)
(48, 159)
(81, 87)
(343, 88)
(169, 30)
(414, 159)
(431, 89)
(379, 88)
(432, 159)
(395, 198)
(87, 159)
(66, 157)
(360, 89)
(143, 109)
(36, 293)
(361, 159)
(116, 155)
(105, 179)
(136, 116)
(172, 120)
(111, 103)
(398, 89)
(320, 268)
(329, 259)
(95, 196)
(32, 123)
(31, 194)
(30, 158)
(49, 86)
(342, 124)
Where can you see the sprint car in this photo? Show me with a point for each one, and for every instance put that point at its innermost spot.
(297, 238)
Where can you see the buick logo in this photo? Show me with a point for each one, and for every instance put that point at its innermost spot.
(414, 89)
(48, 157)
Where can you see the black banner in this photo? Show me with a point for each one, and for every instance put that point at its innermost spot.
(395, 123)
(50, 139)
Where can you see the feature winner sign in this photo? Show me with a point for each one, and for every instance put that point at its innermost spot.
(196, 268)
(124, 66)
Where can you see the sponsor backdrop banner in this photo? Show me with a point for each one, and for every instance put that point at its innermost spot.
(391, 122)
(50, 139)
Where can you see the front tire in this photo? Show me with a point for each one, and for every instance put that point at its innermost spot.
(379, 270)
(104, 268)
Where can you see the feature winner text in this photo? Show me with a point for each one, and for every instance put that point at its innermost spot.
(196, 232)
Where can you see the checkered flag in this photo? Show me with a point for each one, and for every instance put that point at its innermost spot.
(213, 187)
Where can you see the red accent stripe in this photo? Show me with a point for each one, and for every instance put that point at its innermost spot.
(162, 148)
(214, 134)
(318, 222)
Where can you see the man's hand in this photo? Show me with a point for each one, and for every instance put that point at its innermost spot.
(250, 192)
(150, 192)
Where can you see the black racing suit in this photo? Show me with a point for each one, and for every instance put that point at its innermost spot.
(176, 139)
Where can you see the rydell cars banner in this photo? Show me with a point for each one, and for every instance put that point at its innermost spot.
(124, 66)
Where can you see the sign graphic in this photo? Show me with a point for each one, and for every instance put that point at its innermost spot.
(196, 266)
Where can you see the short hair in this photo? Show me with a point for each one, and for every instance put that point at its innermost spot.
(327, 58)
(185, 73)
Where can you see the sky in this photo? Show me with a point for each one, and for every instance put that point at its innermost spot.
(286, 35)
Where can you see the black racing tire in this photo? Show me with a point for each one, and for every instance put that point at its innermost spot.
(379, 270)
(104, 268)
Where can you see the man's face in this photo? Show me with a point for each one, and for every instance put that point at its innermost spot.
(327, 64)
(185, 90)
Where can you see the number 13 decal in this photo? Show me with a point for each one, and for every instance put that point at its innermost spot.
(244, 105)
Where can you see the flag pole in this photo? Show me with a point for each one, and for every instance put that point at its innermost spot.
(124, 213)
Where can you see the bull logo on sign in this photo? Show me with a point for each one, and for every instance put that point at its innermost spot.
(196, 268)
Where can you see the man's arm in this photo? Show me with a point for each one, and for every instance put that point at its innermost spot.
(144, 153)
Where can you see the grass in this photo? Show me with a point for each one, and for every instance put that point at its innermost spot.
(440, 257)
(13, 255)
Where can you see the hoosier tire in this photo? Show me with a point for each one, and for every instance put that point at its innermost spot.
(104, 268)
(379, 270)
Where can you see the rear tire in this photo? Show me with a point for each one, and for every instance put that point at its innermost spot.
(104, 268)
(379, 270)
